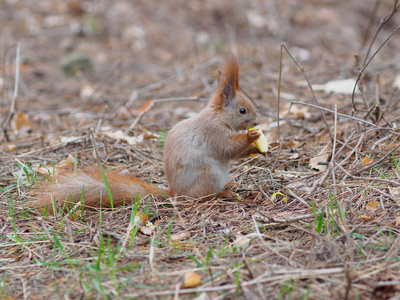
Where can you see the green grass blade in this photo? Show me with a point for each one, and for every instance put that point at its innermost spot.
(107, 187)
(320, 220)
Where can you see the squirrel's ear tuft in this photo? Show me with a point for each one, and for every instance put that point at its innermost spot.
(231, 74)
(228, 84)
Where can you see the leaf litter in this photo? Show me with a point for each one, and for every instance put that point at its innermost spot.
(333, 234)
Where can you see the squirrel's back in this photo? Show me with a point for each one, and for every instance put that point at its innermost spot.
(190, 163)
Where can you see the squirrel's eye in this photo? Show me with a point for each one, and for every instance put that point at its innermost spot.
(242, 111)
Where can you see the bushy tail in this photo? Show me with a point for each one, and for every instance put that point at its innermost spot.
(68, 188)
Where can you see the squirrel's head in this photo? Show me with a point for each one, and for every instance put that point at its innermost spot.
(234, 108)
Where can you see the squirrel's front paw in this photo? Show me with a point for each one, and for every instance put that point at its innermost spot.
(252, 135)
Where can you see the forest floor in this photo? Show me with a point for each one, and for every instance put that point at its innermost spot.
(319, 217)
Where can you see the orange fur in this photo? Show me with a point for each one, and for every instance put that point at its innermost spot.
(231, 73)
(124, 188)
(230, 76)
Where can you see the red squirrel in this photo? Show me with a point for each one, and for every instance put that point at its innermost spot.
(196, 155)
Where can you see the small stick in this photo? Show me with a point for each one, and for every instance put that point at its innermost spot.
(369, 61)
(4, 77)
(69, 230)
(377, 90)
(349, 282)
(24, 289)
(95, 146)
(283, 275)
(177, 289)
(331, 111)
(335, 130)
(369, 110)
(285, 220)
(396, 173)
(283, 137)
(151, 254)
(132, 99)
(331, 164)
(69, 233)
(127, 235)
(298, 198)
(353, 150)
(260, 236)
(363, 96)
(279, 89)
(382, 22)
(378, 161)
(366, 178)
(380, 141)
(311, 88)
(346, 143)
(349, 117)
(370, 23)
(381, 201)
(11, 113)
(331, 169)
(334, 180)
(321, 108)
(45, 230)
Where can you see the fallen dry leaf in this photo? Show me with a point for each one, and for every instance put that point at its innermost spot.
(276, 194)
(124, 112)
(241, 240)
(341, 86)
(366, 217)
(139, 218)
(21, 121)
(366, 160)
(143, 218)
(191, 279)
(145, 105)
(179, 236)
(120, 135)
(396, 82)
(322, 156)
(256, 19)
(397, 220)
(296, 112)
(372, 205)
(11, 148)
(66, 140)
(63, 165)
(147, 230)
(69, 162)
(291, 144)
(395, 191)
(76, 214)
(86, 91)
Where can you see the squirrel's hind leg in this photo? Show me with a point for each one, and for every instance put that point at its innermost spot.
(227, 194)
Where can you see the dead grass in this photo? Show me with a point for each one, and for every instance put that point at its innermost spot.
(297, 233)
